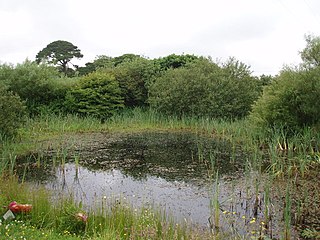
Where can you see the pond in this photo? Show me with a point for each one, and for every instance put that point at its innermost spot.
(173, 172)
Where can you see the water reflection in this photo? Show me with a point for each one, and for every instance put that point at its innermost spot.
(172, 156)
(183, 200)
(169, 171)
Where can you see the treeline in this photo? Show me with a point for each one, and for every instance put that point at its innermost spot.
(179, 85)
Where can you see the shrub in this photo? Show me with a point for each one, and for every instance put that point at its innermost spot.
(133, 77)
(203, 88)
(290, 101)
(97, 94)
(35, 84)
(12, 112)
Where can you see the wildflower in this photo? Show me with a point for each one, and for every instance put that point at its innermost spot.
(243, 217)
(224, 212)
(253, 220)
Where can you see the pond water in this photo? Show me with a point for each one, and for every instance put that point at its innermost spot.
(174, 172)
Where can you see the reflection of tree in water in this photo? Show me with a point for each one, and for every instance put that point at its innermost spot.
(172, 156)
(28, 169)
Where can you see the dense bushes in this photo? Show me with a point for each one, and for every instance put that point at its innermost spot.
(12, 112)
(97, 94)
(290, 101)
(35, 84)
(203, 88)
(133, 78)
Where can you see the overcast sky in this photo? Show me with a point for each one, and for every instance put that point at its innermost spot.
(265, 34)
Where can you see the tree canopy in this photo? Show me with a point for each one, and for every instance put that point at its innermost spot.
(59, 53)
(311, 53)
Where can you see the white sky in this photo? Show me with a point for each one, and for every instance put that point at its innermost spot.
(265, 34)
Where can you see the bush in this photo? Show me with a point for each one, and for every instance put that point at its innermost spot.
(203, 88)
(97, 94)
(290, 101)
(133, 77)
(35, 84)
(12, 112)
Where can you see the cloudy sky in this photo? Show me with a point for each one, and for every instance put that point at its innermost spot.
(265, 34)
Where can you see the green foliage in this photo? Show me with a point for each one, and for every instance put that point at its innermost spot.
(59, 53)
(174, 61)
(203, 88)
(265, 80)
(134, 77)
(12, 112)
(5, 73)
(97, 94)
(290, 101)
(311, 53)
(35, 84)
(128, 57)
(101, 61)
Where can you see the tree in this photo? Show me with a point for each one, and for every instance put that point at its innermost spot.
(128, 57)
(59, 53)
(202, 88)
(174, 61)
(311, 53)
(101, 61)
(134, 76)
(291, 101)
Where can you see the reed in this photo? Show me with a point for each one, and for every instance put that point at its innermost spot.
(214, 220)
(287, 216)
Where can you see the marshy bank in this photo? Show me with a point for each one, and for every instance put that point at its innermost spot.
(212, 177)
(209, 183)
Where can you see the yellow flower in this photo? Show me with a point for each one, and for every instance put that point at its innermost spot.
(253, 220)
(243, 217)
